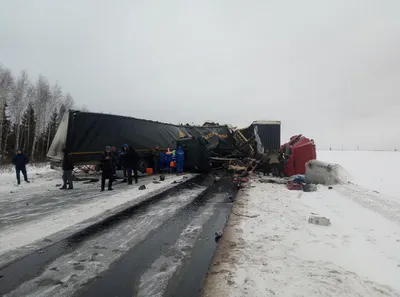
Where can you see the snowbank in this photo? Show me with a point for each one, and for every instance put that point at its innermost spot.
(270, 249)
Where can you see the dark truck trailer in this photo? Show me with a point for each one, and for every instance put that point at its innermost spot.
(265, 135)
(86, 134)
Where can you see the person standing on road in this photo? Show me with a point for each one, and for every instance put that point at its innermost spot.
(114, 151)
(108, 161)
(156, 160)
(122, 160)
(274, 163)
(67, 167)
(19, 161)
(265, 163)
(131, 161)
(168, 159)
(180, 157)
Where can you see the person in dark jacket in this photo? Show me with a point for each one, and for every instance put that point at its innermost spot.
(108, 161)
(274, 163)
(67, 167)
(122, 160)
(19, 161)
(265, 163)
(156, 160)
(131, 160)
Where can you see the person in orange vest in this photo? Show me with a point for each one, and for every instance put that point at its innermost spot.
(168, 159)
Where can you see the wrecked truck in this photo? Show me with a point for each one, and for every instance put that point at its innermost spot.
(298, 151)
(86, 134)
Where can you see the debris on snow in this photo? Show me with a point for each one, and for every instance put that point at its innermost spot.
(281, 252)
(317, 220)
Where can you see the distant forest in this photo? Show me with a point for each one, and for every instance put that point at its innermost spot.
(30, 114)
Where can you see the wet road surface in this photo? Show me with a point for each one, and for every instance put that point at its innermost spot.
(162, 248)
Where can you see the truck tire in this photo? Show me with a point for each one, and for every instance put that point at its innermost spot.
(143, 164)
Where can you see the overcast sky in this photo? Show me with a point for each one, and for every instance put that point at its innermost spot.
(329, 69)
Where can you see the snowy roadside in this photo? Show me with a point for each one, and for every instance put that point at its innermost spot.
(269, 248)
(36, 234)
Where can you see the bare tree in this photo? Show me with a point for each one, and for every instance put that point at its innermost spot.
(18, 103)
(55, 101)
(65, 106)
(31, 97)
(6, 86)
(42, 98)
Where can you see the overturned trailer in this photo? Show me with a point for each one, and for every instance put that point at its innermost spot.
(85, 135)
(259, 137)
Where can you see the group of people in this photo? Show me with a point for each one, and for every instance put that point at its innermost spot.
(168, 161)
(273, 162)
(111, 160)
(127, 159)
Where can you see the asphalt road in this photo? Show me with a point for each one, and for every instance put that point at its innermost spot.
(162, 248)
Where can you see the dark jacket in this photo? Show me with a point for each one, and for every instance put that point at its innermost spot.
(121, 157)
(20, 161)
(108, 164)
(156, 156)
(131, 158)
(67, 163)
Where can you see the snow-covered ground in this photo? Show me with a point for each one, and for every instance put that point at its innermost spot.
(31, 212)
(269, 248)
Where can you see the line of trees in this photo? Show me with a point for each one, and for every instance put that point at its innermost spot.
(30, 114)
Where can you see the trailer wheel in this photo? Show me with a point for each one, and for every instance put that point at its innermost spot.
(143, 165)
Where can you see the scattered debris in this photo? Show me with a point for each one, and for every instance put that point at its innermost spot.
(218, 235)
(142, 187)
(162, 178)
(217, 179)
(294, 186)
(92, 180)
(236, 168)
(309, 188)
(317, 220)
(156, 182)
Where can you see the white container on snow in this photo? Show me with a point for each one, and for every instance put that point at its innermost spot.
(318, 172)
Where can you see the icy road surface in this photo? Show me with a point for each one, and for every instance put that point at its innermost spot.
(151, 249)
(34, 211)
(68, 273)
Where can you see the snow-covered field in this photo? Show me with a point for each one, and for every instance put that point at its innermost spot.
(269, 248)
(31, 212)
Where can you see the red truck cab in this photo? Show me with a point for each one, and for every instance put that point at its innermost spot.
(298, 151)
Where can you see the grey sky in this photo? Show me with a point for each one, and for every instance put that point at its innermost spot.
(328, 69)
